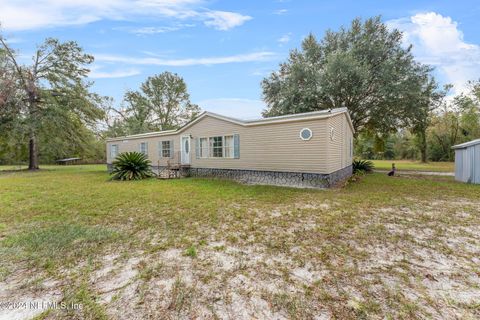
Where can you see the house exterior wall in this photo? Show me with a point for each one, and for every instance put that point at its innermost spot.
(467, 164)
(340, 143)
(153, 150)
(271, 148)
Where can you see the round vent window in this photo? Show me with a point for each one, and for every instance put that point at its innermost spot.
(306, 134)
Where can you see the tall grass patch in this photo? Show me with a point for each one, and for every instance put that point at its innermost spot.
(49, 245)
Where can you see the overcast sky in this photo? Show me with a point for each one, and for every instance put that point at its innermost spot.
(223, 49)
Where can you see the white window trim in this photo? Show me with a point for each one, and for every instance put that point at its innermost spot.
(232, 147)
(201, 155)
(223, 147)
(116, 151)
(309, 130)
(146, 148)
(163, 149)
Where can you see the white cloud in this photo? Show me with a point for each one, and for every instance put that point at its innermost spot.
(438, 41)
(280, 12)
(234, 107)
(143, 31)
(96, 73)
(27, 15)
(223, 20)
(248, 57)
(153, 30)
(285, 38)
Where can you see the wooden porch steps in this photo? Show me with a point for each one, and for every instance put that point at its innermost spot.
(173, 170)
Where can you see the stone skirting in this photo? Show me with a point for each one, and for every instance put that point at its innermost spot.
(289, 179)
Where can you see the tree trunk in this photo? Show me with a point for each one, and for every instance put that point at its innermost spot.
(32, 143)
(33, 153)
(423, 146)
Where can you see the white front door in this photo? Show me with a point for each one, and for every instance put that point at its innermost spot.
(186, 150)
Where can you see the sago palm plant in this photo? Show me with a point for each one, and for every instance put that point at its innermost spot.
(365, 166)
(131, 166)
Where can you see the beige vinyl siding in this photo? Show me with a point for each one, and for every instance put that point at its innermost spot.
(272, 147)
(130, 144)
(339, 147)
(269, 147)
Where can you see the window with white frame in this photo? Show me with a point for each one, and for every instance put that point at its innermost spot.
(228, 147)
(113, 151)
(166, 152)
(144, 148)
(216, 147)
(203, 148)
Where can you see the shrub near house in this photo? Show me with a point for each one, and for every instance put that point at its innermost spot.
(131, 166)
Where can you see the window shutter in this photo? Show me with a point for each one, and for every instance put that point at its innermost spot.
(146, 148)
(197, 148)
(236, 146)
(110, 150)
(172, 150)
(160, 151)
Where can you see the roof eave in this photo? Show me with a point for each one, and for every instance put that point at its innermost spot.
(466, 144)
(280, 119)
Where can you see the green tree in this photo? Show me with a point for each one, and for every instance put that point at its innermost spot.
(444, 132)
(364, 68)
(422, 98)
(469, 106)
(162, 103)
(51, 92)
(458, 121)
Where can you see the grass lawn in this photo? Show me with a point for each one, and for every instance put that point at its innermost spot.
(383, 248)
(408, 165)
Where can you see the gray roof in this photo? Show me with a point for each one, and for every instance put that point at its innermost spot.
(467, 144)
(289, 117)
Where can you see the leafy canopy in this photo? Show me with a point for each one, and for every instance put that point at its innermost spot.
(364, 68)
(162, 103)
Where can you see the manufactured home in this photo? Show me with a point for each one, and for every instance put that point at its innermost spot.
(467, 161)
(312, 149)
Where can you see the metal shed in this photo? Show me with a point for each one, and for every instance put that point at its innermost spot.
(467, 161)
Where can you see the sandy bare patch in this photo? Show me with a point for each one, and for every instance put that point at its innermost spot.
(28, 303)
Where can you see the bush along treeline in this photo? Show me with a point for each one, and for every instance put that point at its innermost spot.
(455, 121)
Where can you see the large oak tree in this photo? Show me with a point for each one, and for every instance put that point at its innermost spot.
(365, 68)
